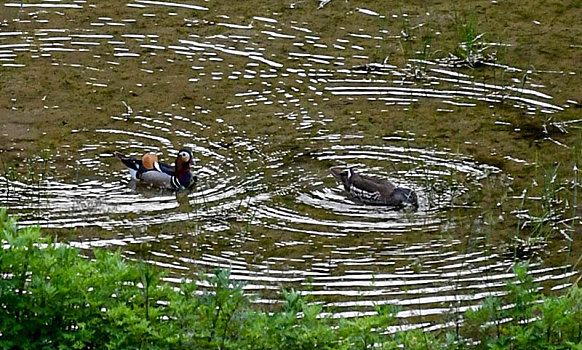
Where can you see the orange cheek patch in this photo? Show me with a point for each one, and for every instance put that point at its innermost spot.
(148, 160)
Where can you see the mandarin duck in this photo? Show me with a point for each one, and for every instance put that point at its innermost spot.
(150, 171)
(373, 190)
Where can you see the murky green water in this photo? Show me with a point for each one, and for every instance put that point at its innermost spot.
(269, 96)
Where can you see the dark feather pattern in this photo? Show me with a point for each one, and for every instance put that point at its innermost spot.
(129, 162)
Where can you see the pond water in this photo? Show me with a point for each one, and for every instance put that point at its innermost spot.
(269, 96)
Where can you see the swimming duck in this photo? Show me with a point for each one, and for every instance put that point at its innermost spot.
(150, 171)
(372, 190)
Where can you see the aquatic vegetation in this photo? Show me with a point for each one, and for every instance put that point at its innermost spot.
(547, 210)
(51, 297)
(468, 33)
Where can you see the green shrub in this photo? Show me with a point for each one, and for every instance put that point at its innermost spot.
(51, 297)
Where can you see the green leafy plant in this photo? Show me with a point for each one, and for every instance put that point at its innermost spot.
(51, 297)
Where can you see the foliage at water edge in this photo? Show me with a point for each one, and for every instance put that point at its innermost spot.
(51, 297)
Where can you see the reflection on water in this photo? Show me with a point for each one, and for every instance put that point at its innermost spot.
(276, 218)
(295, 228)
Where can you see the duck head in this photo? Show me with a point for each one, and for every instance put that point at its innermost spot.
(184, 160)
(343, 176)
(183, 174)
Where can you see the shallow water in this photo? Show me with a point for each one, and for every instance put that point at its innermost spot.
(265, 103)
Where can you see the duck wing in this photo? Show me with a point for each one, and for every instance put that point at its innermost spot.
(371, 190)
(373, 184)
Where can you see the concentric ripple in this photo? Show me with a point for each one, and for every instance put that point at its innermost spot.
(249, 103)
(321, 206)
(107, 202)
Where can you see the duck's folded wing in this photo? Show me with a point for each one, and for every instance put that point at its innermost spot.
(374, 184)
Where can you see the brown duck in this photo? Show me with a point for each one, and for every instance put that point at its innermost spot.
(373, 190)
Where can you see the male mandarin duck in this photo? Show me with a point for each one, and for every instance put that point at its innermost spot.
(375, 191)
(150, 171)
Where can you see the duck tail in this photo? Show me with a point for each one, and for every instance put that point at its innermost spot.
(130, 162)
(405, 196)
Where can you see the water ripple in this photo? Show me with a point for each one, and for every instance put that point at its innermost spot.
(273, 215)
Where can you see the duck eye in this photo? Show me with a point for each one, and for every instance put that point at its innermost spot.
(184, 155)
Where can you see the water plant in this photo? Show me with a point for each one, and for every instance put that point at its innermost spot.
(467, 29)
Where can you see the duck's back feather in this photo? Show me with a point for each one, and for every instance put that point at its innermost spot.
(372, 185)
